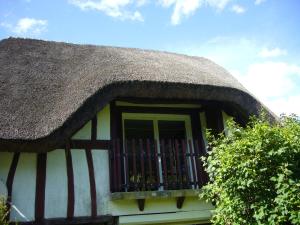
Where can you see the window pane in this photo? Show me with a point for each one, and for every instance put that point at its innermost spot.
(171, 133)
(171, 129)
(138, 129)
(141, 162)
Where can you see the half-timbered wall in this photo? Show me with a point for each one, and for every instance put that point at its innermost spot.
(68, 190)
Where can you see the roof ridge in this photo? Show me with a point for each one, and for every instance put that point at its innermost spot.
(11, 38)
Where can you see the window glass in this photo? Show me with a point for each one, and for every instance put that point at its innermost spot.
(171, 130)
(138, 129)
(156, 148)
(137, 132)
(171, 133)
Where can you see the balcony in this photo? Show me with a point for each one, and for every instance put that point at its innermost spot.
(143, 165)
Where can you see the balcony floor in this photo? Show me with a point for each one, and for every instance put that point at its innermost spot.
(154, 194)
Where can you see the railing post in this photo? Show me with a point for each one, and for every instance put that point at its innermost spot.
(115, 181)
(185, 160)
(149, 184)
(156, 164)
(193, 163)
(164, 163)
(200, 170)
(119, 177)
(171, 160)
(179, 172)
(142, 165)
(134, 175)
(126, 166)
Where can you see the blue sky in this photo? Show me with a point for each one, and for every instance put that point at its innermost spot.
(256, 40)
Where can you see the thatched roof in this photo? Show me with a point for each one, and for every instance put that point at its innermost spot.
(49, 89)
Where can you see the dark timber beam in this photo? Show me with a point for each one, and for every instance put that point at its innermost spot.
(40, 186)
(99, 220)
(93, 191)
(10, 180)
(70, 174)
(84, 144)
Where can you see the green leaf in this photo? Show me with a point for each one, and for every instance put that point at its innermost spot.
(255, 173)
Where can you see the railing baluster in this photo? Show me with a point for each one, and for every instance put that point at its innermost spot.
(165, 170)
(115, 181)
(156, 164)
(149, 183)
(192, 157)
(185, 160)
(179, 172)
(199, 168)
(118, 153)
(134, 175)
(142, 164)
(127, 186)
(138, 166)
(171, 160)
(201, 152)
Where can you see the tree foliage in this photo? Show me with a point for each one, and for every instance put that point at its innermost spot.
(255, 173)
(3, 212)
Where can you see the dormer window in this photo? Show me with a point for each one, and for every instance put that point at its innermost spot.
(154, 144)
(157, 151)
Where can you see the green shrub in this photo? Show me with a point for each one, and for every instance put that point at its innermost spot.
(255, 173)
(3, 212)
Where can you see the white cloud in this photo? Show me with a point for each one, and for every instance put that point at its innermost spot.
(27, 26)
(181, 9)
(186, 8)
(6, 25)
(114, 8)
(271, 79)
(238, 9)
(288, 105)
(258, 2)
(224, 50)
(274, 52)
(140, 3)
(127, 9)
(218, 4)
(275, 84)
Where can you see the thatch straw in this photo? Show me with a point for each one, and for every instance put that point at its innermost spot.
(49, 89)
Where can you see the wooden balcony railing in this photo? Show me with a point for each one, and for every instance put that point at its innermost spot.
(151, 165)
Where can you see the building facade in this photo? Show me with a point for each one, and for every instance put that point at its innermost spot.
(103, 135)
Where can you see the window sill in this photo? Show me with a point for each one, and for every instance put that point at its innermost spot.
(154, 194)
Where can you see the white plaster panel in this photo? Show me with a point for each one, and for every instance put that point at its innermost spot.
(101, 167)
(23, 190)
(5, 162)
(84, 133)
(81, 184)
(56, 193)
(103, 126)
